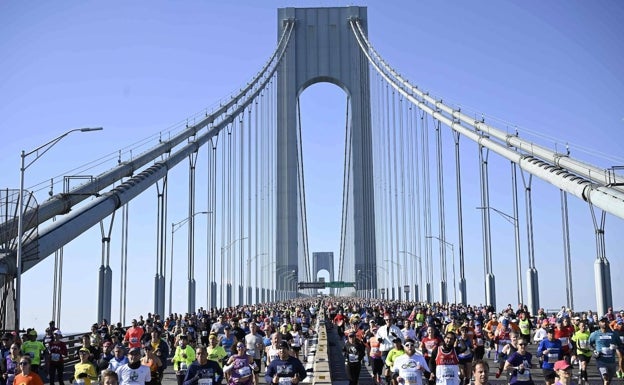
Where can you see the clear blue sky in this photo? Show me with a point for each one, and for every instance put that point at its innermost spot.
(136, 68)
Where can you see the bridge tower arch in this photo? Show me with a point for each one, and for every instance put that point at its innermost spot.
(323, 48)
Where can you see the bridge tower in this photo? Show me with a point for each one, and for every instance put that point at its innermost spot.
(322, 48)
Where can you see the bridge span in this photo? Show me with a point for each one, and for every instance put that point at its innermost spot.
(434, 200)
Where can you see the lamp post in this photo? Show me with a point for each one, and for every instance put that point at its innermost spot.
(250, 292)
(386, 279)
(452, 246)
(291, 280)
(268, 281)
(175, 226)
(223, 250)
(514, 222)
(398, 265)
(39, 151)
(417, 291)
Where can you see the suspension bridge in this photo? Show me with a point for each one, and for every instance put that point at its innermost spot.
(415, 168)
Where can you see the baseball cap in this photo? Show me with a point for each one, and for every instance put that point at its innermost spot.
(604, 319)
(58, 332)
(134, 351)
(32, 332)
(550, 330)
(561, 365)
(284, 345)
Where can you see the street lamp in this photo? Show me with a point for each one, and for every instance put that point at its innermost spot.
(20, 214)
(416, 295)
(398, 283)
(386, 278)
(250, 292)
(223, 250)
(175, 227)
(452, 246)
(514, 222)
(268, 279)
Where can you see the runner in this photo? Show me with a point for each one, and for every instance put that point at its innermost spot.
(354, 353)
(409, 368)
(518, 365)
(444, 362)
(605, 343)
(240, 367)
(285, 369)
(550, 350)
(582, 350)
(133, 373)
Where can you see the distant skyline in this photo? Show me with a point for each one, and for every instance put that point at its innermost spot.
(553, 70)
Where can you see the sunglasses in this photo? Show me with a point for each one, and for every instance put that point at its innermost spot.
(408, 345)
(522, 344)
(240, 346)
(23, 363)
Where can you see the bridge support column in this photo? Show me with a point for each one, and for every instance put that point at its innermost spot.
(161, 247)
(602, 268)
(463, 298)
(532, 276)
(322, 48)
(428, 292)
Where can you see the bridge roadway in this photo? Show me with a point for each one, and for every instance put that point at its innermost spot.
(325, 363)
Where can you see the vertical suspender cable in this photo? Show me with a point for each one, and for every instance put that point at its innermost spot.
(427, 206)
(460, 223)
(402, 142)
(253, 251)
(241, 211)
(441, 226)
(222, 268)
(395, 203)
(124, 263)
(567, 261)
(514, 186)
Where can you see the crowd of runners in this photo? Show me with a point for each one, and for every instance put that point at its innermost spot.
(446, 344)
(402, 342)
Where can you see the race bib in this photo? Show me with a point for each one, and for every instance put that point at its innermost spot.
(411, 378)
(582, 344)
(607, 352)
(353, 357)
(524, 376)
(244, 371)
(284, 380)
(552, 357)
(251, 352)
(55, 357)
(448, 373)
(205, 381)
